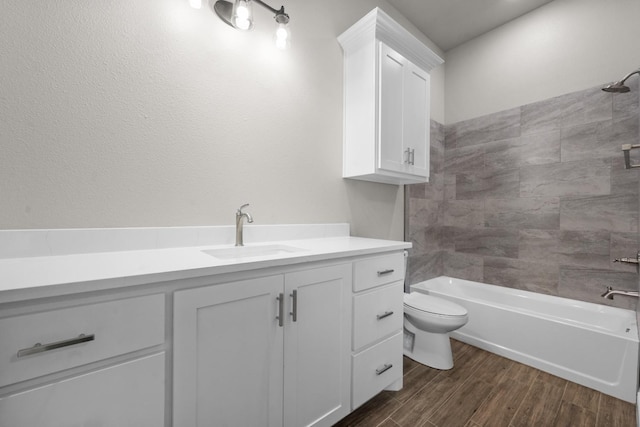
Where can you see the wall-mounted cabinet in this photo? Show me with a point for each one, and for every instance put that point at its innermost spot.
(387, 99)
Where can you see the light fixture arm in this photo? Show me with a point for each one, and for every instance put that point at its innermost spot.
(224, 8)
(274, 10)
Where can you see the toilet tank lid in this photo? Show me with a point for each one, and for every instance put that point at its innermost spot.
(433, 304)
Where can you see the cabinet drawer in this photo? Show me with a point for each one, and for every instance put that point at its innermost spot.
(129, 394)
(376, 271)
(376, 368)
(118, 327)
(377, 313)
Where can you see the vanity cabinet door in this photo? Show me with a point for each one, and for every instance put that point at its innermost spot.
(317, 346)
(228, 349)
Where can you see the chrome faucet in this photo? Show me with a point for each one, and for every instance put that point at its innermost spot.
(239, 222)
(610, 292)
(635, 260)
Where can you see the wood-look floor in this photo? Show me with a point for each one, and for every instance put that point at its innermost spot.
(484, 389)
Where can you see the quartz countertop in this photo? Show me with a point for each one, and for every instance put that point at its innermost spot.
(48, 276)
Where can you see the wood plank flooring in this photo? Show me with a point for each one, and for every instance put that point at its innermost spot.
(484, 389)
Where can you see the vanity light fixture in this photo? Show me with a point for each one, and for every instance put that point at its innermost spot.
(239, 14)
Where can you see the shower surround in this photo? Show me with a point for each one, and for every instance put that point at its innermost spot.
(534, 198)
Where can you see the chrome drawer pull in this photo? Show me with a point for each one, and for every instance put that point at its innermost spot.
(383, 315)
(384, 369)
(40, 348)
(383, 272)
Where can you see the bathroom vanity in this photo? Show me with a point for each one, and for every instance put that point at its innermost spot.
(281, 333)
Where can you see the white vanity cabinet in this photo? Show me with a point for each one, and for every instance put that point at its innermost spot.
(80, 364)
(387, 102)
(267, 351)
(378, 284)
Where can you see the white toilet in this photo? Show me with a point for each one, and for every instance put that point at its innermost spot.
(427, 323)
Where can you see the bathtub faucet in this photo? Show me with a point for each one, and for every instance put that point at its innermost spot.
(635, 260)
(610, 292)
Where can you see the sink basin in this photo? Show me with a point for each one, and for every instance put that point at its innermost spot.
(243, 252)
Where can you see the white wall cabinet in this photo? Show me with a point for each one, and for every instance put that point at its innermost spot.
(274, 348)
(387, 102)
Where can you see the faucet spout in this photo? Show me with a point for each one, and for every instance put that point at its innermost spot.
(610, 292)
(240, 216)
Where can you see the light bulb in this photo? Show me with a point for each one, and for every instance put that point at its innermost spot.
(242, 17)
(283, 36)
(196, 4)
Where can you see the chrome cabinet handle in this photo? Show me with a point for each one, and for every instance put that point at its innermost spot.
(385, 314)
(383, 272)
(384, 369)
(294, 305)
(41, 348)
(280, 315)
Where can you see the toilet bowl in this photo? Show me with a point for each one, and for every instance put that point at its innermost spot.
(427, 323)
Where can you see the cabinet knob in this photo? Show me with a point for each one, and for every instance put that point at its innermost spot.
(385, 272)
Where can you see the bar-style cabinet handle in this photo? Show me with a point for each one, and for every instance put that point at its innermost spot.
(383, 315)
(384, 369)
(41, 348)
(280, 315)
(383, 272)
(294, 305)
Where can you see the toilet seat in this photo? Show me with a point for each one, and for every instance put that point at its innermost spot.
(433, 305)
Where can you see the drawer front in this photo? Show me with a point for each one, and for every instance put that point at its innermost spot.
(129, 394)
(376, 368)
(118, 327)
(377, 314)
(371, 272)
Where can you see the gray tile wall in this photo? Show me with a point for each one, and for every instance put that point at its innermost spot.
(535, 198)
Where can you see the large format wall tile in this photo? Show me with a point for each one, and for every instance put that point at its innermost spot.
(488, 184)
(493, 127)
(535, 198)
(585, 178)
(588, 284)
(498, 242)
(520, 274)
(540, 148)
(523, 213)
(613, 213)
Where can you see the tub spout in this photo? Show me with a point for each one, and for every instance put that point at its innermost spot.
(610, 292)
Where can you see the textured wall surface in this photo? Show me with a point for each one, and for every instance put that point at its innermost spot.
(562, 47)
(535, 198)
(150, 113)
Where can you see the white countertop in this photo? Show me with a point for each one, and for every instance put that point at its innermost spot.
(48, 276)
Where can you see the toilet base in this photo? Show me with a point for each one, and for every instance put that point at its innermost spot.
(430, 349)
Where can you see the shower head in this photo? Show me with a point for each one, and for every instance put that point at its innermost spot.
(619, 86)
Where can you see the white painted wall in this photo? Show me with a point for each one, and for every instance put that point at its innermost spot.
(149, 113)
(561, 47)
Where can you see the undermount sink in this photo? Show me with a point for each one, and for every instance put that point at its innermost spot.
(241, 252)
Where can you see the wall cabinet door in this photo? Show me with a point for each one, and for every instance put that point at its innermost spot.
(228, 352)
(317, 346)
(403, 107)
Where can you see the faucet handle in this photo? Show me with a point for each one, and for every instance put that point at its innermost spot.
(242, 207)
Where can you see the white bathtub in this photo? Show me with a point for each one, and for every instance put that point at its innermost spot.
(589, 344)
